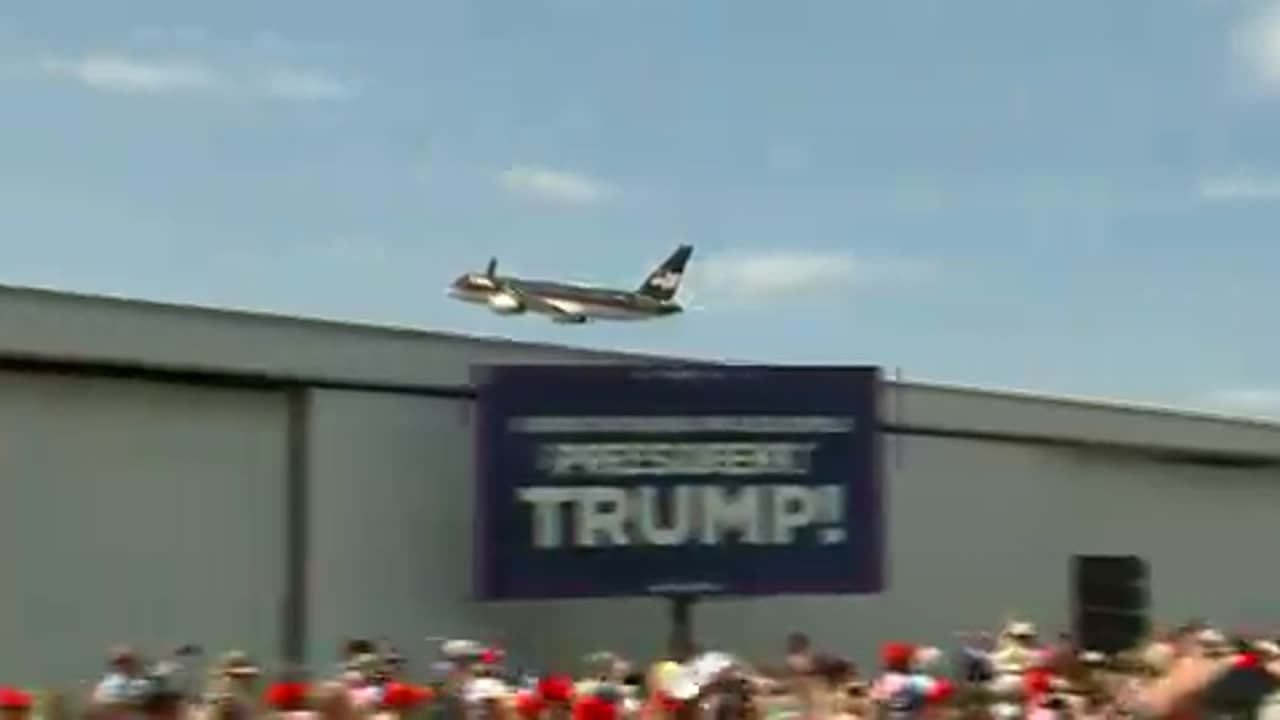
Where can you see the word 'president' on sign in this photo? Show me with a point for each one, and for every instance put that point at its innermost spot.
(572, 506)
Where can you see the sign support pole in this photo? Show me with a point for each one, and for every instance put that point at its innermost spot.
(680, 609)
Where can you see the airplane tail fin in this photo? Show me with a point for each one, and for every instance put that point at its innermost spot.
(663, 283)
(492, 268)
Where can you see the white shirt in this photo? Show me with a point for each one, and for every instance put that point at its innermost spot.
(116, 688)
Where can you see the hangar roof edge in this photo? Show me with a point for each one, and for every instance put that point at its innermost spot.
(34, 333)
(341, 324)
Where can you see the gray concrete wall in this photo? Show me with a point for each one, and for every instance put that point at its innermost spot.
(139, 512)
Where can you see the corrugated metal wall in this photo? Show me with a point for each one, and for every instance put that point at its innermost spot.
(390, 521)
(139, 512)
(154, 512)
(391, 530)
(977, 530)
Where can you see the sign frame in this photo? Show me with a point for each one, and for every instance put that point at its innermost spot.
(505, 569)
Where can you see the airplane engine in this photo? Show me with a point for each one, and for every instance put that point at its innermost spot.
(504, 304)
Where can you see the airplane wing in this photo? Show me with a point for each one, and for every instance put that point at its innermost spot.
(537, 304)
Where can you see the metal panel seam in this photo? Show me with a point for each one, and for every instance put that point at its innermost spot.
(293, 621)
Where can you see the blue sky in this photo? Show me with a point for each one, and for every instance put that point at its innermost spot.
(1072, 197)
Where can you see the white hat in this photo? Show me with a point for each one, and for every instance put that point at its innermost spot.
(1267, 648)
(1092, 657)
(707, 666)
(681, 684)
(927, 659)
(1020, 629)
(1210, 637)
(685, 681)
(461, 649)
(1006, 711)
(485, 688)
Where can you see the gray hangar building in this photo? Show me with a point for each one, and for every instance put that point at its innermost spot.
(183, 475)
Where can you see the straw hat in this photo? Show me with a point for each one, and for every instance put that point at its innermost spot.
(363, 664)
(237, 664)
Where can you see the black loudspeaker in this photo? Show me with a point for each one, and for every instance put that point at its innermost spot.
(1110, 601)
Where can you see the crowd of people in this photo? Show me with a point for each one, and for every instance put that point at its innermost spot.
(1192, 672)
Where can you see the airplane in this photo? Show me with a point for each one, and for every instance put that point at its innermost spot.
(573, 304)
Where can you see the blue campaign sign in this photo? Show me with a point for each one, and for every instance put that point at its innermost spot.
(598, 481)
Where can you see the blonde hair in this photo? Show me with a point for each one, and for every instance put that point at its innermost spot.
(53, 705)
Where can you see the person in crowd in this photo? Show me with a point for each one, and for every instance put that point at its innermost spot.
(163, 698)
(445, 685)
(55, 705)
(463, 661)
(555, 695)
(1196, 671)
(830, 694)
(353, 654)
(401, 700)
(973, 657)
(393, 663)
(799, 653)
(232, 689)
(361, 681)
(901, 691)
(290, 698)
(605, 668)
(122, 686)
(356, 647)
(486, 698)
(15, 704)
(333, 702)
(1018, 648)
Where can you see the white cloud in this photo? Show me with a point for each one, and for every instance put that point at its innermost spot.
(1240, 188)
(306, 85)
(1249, 401)
(1257, 45)
(124, 74)
(121, 74)
(770, 275)
(555, 186)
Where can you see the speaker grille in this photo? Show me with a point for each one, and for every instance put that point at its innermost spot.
(1110, 602)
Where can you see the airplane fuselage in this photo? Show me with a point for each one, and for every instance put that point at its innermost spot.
(565, 302)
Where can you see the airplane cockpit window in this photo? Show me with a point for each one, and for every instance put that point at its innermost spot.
(471, 280)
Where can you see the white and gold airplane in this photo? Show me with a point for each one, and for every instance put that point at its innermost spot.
(576, 304)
